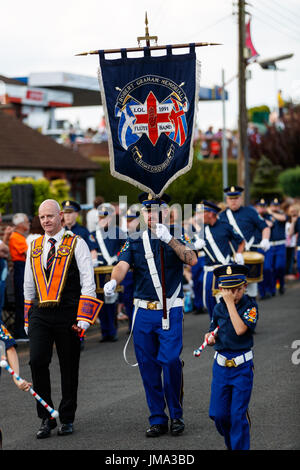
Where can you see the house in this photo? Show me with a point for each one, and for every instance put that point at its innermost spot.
(26, 152)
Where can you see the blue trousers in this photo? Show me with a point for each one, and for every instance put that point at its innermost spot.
(197, 276)
(278, 264)
(298, 260)
(265, 286)
(158, 356)
(108, 320)
(230, 396)
(208, 299)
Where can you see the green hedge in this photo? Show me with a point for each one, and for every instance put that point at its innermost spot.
(43, 189)
(203, 181)
(289, 180)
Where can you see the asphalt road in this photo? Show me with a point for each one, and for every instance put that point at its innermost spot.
(112, 412)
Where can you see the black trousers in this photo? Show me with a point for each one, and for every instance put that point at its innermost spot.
(49, 326)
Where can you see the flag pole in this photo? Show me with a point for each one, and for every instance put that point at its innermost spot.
(152, 48)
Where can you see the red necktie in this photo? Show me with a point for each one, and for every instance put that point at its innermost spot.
(51, 255)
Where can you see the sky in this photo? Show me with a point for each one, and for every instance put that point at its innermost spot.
(45, 36)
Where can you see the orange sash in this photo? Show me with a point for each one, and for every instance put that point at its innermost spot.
(49, 291)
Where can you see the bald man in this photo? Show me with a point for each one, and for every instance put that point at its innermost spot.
(59, 291)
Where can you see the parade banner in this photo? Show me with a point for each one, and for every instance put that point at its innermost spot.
(150, 106)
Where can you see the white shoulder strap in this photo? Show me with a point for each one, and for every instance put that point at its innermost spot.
(109, 259)
(151, 265)
(219, 256)
(234, 224)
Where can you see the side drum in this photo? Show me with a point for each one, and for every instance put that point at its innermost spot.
(255, 263)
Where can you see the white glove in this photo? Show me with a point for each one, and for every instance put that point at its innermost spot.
(239, 259)
(163, 233)
(95, 262)
(109, 287)
(265, 244)
(26, 330)
(83, 324)
(199, 244)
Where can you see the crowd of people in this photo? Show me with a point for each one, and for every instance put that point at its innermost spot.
(69, 275)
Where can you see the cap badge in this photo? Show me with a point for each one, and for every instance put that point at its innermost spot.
(229, 270)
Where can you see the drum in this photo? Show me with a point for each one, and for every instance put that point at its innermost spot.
(255, 263)
(102, 276)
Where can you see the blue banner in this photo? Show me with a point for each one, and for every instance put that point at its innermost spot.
(150, 106)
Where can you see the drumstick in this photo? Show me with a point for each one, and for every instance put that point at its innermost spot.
(198, 351)
(53, 412)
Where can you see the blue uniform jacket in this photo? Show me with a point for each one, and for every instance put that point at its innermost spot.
(278, 230)
(223, 233)
(133, 253)
(114, 240)
(227, 339)
(84, 233)
(249, 222)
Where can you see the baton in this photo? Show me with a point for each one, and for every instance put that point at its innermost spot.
(198, 351)
(53, 412)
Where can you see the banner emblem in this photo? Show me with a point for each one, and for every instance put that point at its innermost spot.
(152, 117)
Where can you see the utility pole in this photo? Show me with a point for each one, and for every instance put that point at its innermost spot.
(243, 153)
(224, 140)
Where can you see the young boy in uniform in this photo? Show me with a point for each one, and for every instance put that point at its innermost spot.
(236, 315)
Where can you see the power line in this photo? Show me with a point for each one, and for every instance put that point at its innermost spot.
(293, 13)
(284, 18)
(272, 18)
(281, 12)
(276, 29)
(220, 20)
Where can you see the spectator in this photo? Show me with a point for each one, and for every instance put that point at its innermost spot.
(291, 242)
(4, 253)
(18, 249)
(215, 149)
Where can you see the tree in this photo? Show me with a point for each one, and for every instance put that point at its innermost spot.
(265, 182)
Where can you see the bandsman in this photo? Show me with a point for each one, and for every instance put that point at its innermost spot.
(109, 241)
(157, 337)
(247, 223)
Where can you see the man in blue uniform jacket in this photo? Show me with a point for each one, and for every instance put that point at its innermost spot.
(109, 240)
(236, 316)
(247, 223)
(278, 245)
(157, 340)
(71, 210)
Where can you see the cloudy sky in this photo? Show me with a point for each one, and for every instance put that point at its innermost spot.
(45, 36)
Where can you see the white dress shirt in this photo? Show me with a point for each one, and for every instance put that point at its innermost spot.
(83, 260)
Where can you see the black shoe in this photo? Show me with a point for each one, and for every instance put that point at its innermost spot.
(177, 426)
(46, 427)
(157, 430)
(108, 339)
(65, 429)
(198, 311)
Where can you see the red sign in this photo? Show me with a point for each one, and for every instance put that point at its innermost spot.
(34, 95)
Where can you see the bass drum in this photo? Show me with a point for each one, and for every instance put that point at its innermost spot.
(255, 263)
